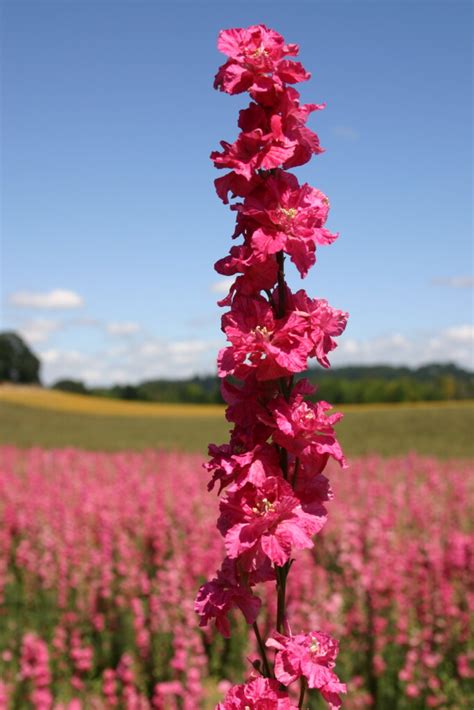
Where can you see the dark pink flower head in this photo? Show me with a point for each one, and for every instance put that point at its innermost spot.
(227, 591)
(237, 464)
(305, 429)
(323, 322)
(236, 185)
(282, 215)
(256, 63)
(258, 273)
(256, 150)
(293, 119)
(247, 400)
(310, 655)
(266, 522)
(258, 694)
(274, 347)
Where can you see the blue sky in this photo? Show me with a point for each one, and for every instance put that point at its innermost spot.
(110, 223)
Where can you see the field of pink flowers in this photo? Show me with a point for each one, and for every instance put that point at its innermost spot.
(102, 555)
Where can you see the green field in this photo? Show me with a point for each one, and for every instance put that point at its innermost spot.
(442, 430)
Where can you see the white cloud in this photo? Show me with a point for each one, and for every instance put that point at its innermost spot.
(461, 333)
(222, 286)
(39, 330)
(345, 132)
(454, 281)
(454, 344)
(132, 361)
(57, 298)
(123, 328)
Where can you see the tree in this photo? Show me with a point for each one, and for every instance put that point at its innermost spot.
(75, 386)
(17, 362)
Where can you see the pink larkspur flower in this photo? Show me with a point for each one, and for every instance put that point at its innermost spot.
(282, 215)
(266, 522)
(256, 63)
(312, 656)
(234, 465)
(227, 591)
(323, 323)
(258, 694)
(258, 272)
(275, 347)
(305, 429)
(268, 140)
(247, 400)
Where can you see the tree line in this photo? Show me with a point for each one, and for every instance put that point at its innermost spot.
(342, 385)
(339, 385)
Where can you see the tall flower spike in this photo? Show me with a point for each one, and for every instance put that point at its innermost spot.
(270, 474)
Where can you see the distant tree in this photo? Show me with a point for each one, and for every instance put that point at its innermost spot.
(17, 362)
(75, 386)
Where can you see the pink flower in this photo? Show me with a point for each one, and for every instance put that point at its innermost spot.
(323, 323)
(266, 522)
(247, 401)
(217, 598)
(235, 464)
(275, 347)
(305, 429)
(236, 185)
(258, 694)
(256, 63)
(257, 272)
(310, 655)
(282, 215)
(255, 151)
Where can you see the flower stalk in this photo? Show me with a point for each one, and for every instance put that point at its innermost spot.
(269, 475)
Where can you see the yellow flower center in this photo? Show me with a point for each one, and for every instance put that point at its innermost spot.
(259, 52)
(263, 331)
(264, 506)
(291, 212)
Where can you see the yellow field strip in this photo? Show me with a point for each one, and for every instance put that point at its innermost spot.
(85, 404)
(40, 398)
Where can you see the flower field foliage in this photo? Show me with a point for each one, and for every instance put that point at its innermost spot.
(101, 555)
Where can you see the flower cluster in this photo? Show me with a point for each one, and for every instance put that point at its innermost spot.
(271, 471)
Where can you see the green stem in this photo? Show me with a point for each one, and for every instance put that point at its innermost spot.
(281, 575)
(302, 692)
(263, 653)
(285, 385)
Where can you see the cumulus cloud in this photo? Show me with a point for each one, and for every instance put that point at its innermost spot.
(57, 298)
(123, 328)
(454, 344)
(132, 361)
(38, 330)
(454, 281)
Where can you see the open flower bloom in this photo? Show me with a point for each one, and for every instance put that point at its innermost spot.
(268, 140)
(258, 694)
(323, 323)
(235, 465)
(305, 429)
(267, 521)
(310, 655)
(275, 347)
(247, 400)
(256, 63)
(284, 216)
(228, 591)
(258, 272)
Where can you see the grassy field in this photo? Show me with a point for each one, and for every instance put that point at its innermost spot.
(32, 416)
